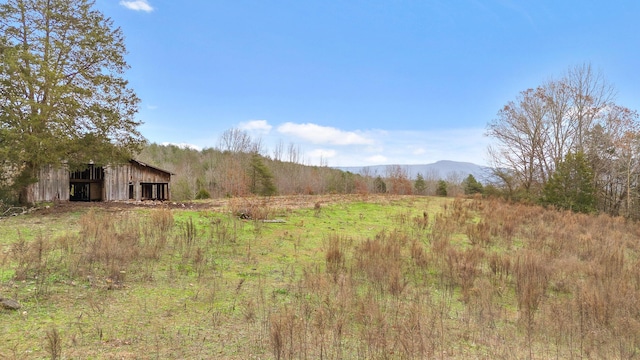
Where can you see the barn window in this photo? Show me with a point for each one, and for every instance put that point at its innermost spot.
(92, 172)
(154, 191)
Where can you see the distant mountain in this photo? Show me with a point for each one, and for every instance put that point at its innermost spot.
(443, 169)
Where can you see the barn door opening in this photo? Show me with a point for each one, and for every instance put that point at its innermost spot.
(154, 191)
(87, 184)
(79, 192)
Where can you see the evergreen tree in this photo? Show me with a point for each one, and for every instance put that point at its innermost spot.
(261, 177)
(202, 193)
(420, 185)
(379, 185)
(441, 189)
(471, 185)
(63, 97)
(571, 185)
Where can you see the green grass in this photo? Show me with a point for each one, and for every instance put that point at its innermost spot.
(242, 259)
(355, 277)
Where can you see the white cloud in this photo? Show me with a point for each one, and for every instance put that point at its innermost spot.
(260, 126)
(376, 159)
(424, 146)
(373, 146)
(415, 147)
(317, 134)
(183, 145)
(323, 153)
(137, 5)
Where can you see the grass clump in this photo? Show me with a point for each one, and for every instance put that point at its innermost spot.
(394, 277)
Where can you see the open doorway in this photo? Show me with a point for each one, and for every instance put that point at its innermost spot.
(79, 192)
(86, 185)
(155, 191)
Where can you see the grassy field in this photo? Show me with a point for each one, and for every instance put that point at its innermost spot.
(351, 277)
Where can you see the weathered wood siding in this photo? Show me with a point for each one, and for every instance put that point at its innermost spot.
(119, 181)
(96, 192)
(53, 184)
(118, 178)
(116, 182)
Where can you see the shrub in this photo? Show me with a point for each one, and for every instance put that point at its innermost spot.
(203, 194)
(441, 189)
(571, 185)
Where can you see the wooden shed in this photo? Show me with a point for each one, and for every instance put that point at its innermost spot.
(132, 181)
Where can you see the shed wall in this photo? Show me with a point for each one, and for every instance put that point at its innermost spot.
(53, 184)
(118, 178)
(120, 181)
(116, 181)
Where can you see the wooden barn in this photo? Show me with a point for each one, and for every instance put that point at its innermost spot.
(132, 181)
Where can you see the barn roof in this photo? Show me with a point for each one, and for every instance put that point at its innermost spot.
(150, 167)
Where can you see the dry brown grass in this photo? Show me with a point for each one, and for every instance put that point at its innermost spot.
(476, 279)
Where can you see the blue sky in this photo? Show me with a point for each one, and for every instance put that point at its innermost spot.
(354, 83)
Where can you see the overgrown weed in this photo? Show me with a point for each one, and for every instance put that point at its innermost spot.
(476, 278)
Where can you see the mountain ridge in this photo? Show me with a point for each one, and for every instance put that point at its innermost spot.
(442, 169)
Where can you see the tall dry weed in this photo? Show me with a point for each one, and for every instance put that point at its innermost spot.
(106, 246)
(532, 280)
(33, 260)
(416, 329)
(421, 223)
(375, 331)
(380, 260)
(335, 256)
(500, 265)
(162, 220)
(287, 335)
(441, 232)
(419, 254)
(53, 343)
(463, 266)
(224, 231)
(479, 234)
(481, 302)
(252, 208)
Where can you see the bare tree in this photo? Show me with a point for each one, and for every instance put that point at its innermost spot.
(520, 131)
(398, 179)
(613, 149)
(431, 180)
(454, 180)
(278, 151)
(560, 128)
(535, 132)
(257, 147)
(368, 176)
(293, 153)
(236, 141)
(590, 94)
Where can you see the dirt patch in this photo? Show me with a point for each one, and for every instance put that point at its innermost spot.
(279, 202)
(283, 202)
(73, 206)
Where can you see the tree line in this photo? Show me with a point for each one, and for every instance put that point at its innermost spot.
(240, 166)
